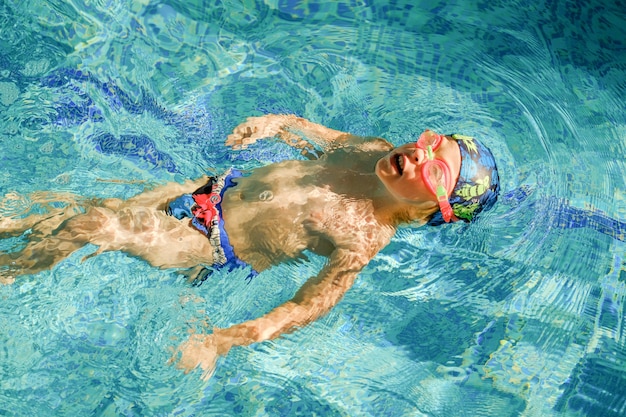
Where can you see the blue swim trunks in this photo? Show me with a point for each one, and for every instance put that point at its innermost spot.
(204, 208)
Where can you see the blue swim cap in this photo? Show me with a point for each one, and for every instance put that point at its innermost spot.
(478, 184)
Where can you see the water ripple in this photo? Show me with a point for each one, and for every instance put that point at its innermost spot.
(518, 313)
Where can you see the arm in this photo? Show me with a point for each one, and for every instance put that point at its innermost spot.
(295, 131)
(312, 301)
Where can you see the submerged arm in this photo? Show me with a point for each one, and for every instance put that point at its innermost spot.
(297, 132)
(313, 300)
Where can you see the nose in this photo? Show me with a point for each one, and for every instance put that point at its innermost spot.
(419, 155)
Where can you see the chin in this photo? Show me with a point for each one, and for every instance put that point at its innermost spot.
(382, 169)
(377, 169)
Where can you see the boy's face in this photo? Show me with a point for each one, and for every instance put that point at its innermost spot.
(401, 170)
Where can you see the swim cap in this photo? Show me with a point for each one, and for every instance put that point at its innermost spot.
(478, 184)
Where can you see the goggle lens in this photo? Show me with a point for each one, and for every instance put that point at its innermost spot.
(435, 172)
(429, 138)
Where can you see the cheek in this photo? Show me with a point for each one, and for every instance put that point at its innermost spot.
(402, 187)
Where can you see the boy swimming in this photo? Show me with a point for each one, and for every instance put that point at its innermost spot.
(345, 202)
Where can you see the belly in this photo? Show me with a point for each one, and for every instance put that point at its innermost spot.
(266, 216)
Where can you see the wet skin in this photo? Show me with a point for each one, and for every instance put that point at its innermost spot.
(345, 204)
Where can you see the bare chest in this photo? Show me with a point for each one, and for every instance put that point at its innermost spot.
(271, 222)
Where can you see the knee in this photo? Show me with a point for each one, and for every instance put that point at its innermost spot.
(90, 223)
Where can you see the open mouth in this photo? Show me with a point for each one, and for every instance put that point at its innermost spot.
(398, 162)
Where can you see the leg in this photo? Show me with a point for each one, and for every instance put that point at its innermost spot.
(161, 240)
(16, 223)
(46, 223)
(142, 228)
(159, 197)
(47, 248)
(137, 226)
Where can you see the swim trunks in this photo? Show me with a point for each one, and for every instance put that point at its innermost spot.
(204, 207)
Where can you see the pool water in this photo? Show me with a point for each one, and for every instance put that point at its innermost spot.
(518, 314)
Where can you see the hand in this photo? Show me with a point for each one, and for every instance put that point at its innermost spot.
(255, 128)
(271, 125)
(200, 350)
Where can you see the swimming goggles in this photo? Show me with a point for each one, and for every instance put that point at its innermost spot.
(436, 172)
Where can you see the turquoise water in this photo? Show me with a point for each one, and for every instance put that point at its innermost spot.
(514, 315)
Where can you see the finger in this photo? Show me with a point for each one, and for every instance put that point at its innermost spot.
(172, 358)
(208, 373)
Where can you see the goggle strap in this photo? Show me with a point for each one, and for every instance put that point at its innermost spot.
(429, 152)
(442, 194)
(446, 211)
(444, 205)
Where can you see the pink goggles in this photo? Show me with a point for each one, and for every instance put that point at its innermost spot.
(436, 173)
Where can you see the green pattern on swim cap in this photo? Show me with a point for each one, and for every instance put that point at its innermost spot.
(465, 211)
(470, 191)
(468, 141)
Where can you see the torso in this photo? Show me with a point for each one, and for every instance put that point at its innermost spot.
(272, 215)
(280, 210)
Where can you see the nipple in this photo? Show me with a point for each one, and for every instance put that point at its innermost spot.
(266, 196)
